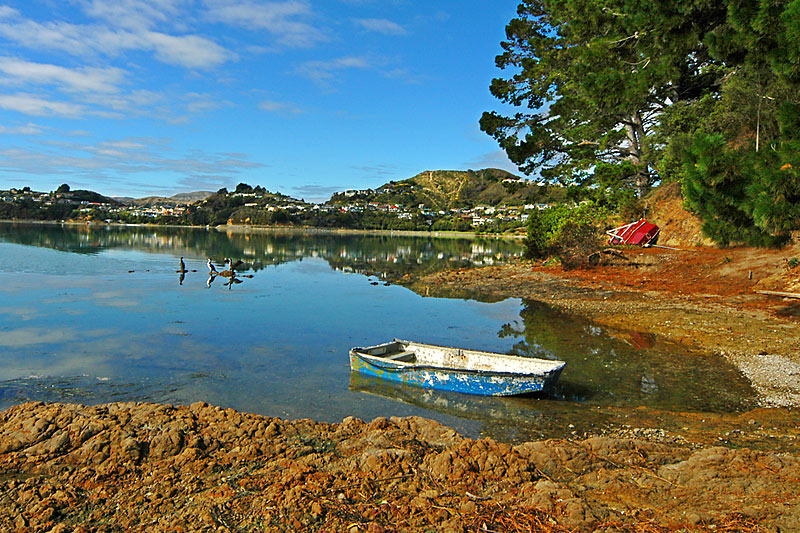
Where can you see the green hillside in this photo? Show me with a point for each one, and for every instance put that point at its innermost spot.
(447, 189)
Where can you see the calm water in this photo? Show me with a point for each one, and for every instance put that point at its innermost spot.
(100, 314)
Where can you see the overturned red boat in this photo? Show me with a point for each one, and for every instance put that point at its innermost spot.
(641, 232)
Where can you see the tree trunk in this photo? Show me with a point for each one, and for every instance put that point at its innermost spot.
(635, 132)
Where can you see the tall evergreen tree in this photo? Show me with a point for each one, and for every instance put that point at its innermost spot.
(595, 78)
(741, 167)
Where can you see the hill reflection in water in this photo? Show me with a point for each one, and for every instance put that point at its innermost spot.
(387, 256)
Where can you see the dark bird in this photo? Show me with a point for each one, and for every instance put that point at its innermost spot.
(211, 269)
(183, 265)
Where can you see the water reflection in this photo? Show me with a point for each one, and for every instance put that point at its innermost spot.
(387, 257)
(628, 368)
(510, 419)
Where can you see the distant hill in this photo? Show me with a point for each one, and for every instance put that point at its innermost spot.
(446, 189)
(183, 198)
(80, 195)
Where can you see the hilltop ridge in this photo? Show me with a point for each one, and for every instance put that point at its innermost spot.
(182, 198)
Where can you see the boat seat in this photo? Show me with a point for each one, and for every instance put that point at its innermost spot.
(402, 356)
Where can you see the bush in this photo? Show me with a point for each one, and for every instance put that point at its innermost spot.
(565, 231)
(576, 243)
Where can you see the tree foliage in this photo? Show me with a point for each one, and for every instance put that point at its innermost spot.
(741, 165)
(595, 77)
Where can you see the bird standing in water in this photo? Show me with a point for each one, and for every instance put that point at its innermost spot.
(183, 266)
(211, 269)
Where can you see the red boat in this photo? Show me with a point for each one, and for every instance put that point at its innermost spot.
(640, 232)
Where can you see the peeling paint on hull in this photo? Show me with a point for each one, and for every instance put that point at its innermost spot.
(505, 381)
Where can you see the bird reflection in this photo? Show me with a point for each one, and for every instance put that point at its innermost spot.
(229, 272)
(231, 281)
(181, 278)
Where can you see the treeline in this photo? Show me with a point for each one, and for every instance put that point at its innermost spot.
(27, 209)
(619, 96)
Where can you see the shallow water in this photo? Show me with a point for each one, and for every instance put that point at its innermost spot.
(91, 315)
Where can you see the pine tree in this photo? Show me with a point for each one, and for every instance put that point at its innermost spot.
(595, 78)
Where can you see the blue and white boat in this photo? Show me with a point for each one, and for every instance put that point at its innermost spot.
(456, 369)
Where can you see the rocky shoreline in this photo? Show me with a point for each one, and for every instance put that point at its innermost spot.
(145, 467)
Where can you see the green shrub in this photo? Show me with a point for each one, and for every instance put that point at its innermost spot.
(564, 231)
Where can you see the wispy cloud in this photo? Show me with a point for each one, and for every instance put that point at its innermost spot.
(315, 193)
(189, 51)
(377, 170)
(272, 106)
(406, 76)
(91, 79)
(82, 40)
(18, 338)
(116, 161)
(27, 129)
(288, 21)
(496, 159)
(384, 26)
(324, 72)
(135, 14)
(41, 107)
(203, 103)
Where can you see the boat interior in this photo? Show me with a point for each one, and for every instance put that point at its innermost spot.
(393, 351)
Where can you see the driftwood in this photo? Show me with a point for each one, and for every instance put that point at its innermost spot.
(607, 256)
(782, 294)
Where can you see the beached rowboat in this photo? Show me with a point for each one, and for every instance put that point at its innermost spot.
(455, 369)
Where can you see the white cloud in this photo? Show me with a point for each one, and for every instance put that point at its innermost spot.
(28, 129)
(387, 27)
(496, 159)
(112, 160)
(201, 103)
(135, 14)
(191, 51)
(91, 79)
(324, 71)
(287, 20)
(8, 12)
(34, 105)
(272, 106)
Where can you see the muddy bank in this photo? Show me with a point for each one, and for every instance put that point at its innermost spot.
(143, 467)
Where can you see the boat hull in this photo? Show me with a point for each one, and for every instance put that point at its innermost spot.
(457, 380)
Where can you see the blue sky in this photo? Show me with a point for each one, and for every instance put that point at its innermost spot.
(303, 97)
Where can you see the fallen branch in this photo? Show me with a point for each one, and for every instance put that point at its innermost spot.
(777, 293)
